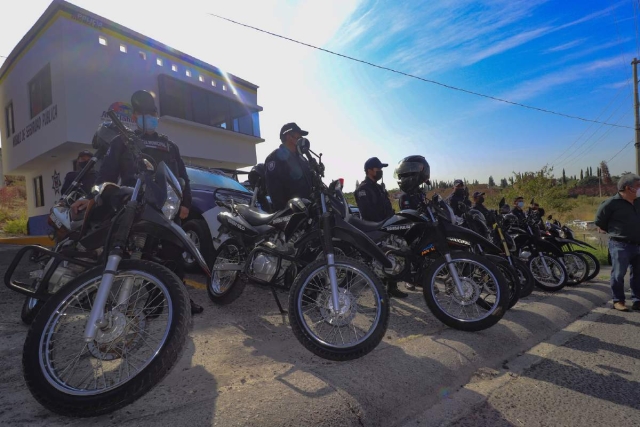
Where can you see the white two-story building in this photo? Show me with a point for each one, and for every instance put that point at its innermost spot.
(59, 81)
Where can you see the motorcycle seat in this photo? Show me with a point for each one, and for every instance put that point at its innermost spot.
(255, 216)
(366, 226)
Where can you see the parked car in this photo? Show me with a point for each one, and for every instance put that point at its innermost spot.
(208, 186)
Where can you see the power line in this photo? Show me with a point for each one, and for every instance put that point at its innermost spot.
(616, 155)
(543, 110)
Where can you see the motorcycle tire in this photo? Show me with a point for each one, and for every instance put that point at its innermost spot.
(527, 282)
(592, 262)
(309, 339)
(30, 309)
(229, 248)
(438, 269)
(578, 274)
(198, 232)
(70, 401)
(509, 273)
(559, 280)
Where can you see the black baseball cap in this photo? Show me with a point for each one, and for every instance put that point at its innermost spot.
(477, 194)
(85, 153)
(374, 162)
(291, 127)
(458, 182)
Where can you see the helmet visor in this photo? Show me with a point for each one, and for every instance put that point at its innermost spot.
(408, 168)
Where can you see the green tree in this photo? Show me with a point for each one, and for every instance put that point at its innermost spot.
(504, 183)
(581, 175)
(606, 176)
(542, 187)
(492, 183)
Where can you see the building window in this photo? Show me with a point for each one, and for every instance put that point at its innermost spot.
(8, 119)
(196, 104)
(188, 73)
(40, 91)
(123, 48)
(201, 78)
(159, 61)
(213, 83)
(174, 67)
(224, 87)
(143, 55)
(102, 40)
(39, 191)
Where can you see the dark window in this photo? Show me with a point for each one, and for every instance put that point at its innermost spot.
(39, 191)
(8, 119)
(212, 179)
(193, 103)
(40, 91)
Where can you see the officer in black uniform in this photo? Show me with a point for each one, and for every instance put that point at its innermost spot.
(288, 174)
(87, 181)
(374, 204)
(478, 203)
(371, 197)
(459, 195)
(518, 209)
(119, 163)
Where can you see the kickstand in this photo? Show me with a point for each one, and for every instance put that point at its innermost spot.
(275, 295)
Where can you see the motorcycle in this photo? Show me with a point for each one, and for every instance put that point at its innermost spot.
(111, 334)
(338, 307)
(567, 241)
(463, 289)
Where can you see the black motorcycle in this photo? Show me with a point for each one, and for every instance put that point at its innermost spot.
(338, 307)
(463, 289)
(565, 238)
(111, 334)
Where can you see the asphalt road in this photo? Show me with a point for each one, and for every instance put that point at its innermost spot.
(242, 365)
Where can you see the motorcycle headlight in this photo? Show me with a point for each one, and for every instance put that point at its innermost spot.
(172, 204)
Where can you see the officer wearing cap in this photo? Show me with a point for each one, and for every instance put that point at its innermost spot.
(459, 195)
(478, 203)
(374, 204)
(371, 197)
(89, 178)
(518, 209)
(288, 174)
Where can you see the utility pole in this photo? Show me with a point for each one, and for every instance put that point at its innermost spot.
(637, 111)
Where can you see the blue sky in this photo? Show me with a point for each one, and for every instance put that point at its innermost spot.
(568, 56)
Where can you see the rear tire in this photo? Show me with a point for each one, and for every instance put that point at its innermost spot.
(225, 287)
(198, 232)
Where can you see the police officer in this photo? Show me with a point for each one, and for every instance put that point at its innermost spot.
(478, 203)
(119, 163)
(288, 174)
(459, 195)
(374, 204)
(371, 197)
(518, 209)
(89, 178)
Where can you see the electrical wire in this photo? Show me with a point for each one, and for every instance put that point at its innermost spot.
(616, 155)
(447, 86)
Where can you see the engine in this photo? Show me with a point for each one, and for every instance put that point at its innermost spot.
(393, 246)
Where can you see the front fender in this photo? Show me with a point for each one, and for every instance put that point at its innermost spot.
(457, 232)
(577, 242)
(548, 246)
(348, 233)
(164, 229)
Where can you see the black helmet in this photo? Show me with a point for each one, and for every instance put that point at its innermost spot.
(412, 172)
(142, 102)
(257, 173)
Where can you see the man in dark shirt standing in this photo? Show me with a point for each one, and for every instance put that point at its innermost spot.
(87, 181)
(619, 217)
(459, 195)
(374, 204)
(288, 174)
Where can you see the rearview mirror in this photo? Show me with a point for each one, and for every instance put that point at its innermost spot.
(501, 203)
(148, 165)
(303, 146)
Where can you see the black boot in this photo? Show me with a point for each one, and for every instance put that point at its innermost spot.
(195, 308)
(393, 291)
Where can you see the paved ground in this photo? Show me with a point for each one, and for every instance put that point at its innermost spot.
(587, 374)
(244, 367)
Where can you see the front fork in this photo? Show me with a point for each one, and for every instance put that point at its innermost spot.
(329, 254)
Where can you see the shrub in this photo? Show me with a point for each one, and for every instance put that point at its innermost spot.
(16, 226)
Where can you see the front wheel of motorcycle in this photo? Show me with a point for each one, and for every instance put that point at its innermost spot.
(361, 320)
(551, 278)
(577, 268)
(30, 308)
(481, 303)
(527, 282)
(143, 336)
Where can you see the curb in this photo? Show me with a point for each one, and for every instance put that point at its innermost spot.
(475, 394)
(28, 240)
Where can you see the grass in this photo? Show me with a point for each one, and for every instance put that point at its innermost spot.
(13, 208)
(16, 226)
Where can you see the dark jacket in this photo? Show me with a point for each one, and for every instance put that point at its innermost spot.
(482, 208)
(119, 162)
(519, 213)
(86, 184)
(373, 201)
(619, 218)
(411, 201)
(288, 175)
(454, 199)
